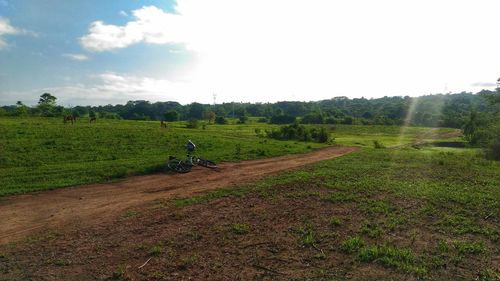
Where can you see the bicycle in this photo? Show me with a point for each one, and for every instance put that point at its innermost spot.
(185, 165)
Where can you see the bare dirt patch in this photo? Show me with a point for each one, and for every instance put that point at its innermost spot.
(255, 237)
(89, 205)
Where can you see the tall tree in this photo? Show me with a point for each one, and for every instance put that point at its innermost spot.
(46, 104)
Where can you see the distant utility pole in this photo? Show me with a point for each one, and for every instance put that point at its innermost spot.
(215, 97)
(498, 83)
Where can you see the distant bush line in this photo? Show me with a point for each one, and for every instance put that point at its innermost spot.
(450, 110)
(300, 133)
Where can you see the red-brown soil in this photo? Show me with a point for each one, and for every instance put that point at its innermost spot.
(83, 206)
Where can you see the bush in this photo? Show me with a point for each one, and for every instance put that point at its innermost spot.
(300, 133)
(193, 124)
(348, 120)
(320, 135)
(243, 119)
(313, 119)
(331, 120)
(493, 147)
(220, 120)
(282, 119)
(263, 120)
(377, 144)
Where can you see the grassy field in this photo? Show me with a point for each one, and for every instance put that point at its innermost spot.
(430, 213)
(43, 153)
(423, 213)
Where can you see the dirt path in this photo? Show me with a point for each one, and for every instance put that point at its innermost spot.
(88, 205)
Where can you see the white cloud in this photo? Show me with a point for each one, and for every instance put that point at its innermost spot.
(77, 57)
(109, 88)
(282, 49)
(123, 14)
(150, 25)
(6, 29)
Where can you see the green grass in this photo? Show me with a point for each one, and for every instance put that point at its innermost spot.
(240, 228)
(352, 244)
(390, 256)
(43, 153)
(396, 199)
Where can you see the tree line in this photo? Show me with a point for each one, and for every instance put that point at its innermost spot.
(441, 110)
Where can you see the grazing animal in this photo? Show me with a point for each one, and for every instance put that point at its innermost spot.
(92, 119)
(68, 118)
(163, 124)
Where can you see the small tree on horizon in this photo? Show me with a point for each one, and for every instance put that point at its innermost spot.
(46, 104)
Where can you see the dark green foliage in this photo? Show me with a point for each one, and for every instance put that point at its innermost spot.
(449, 110)
(242, 119)
(220, 120)
(193, 124)
(282, 119)
(171, 115)
(300, 133)
(377, 144)
(313, 118)
(195, 111)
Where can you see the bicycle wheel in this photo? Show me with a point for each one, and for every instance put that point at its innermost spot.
(178, 166)
(207, 164)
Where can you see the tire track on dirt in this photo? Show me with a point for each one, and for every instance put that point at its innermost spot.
(22, 215)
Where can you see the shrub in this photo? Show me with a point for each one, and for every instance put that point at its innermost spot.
(242, 119)
(300, 133)
(348, 120)
(493, 147)
(193, 124)
(220, 120)
(282, 119)
(377, 144)
(262, 120)
(320, 135)
(313, 118)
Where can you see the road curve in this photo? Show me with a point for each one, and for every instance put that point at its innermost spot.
(22, 215)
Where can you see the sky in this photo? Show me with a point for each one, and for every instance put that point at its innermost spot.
(109, 52)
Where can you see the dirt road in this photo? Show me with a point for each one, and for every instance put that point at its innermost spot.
(88, 205)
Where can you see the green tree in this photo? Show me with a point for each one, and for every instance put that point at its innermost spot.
(46, 104)
(171, 115)
(21, 109)
(195, 111)
(211, 117)
(470, 128)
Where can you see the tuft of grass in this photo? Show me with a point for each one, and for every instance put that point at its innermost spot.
(61, 262)
(335, 221)
(371, 230)
(390, 256)
(240, 228)
(155, 250)
(340, 197)
(187, 261)
(307, 235)
(466, 247)
(352, 244)
(374, 206)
